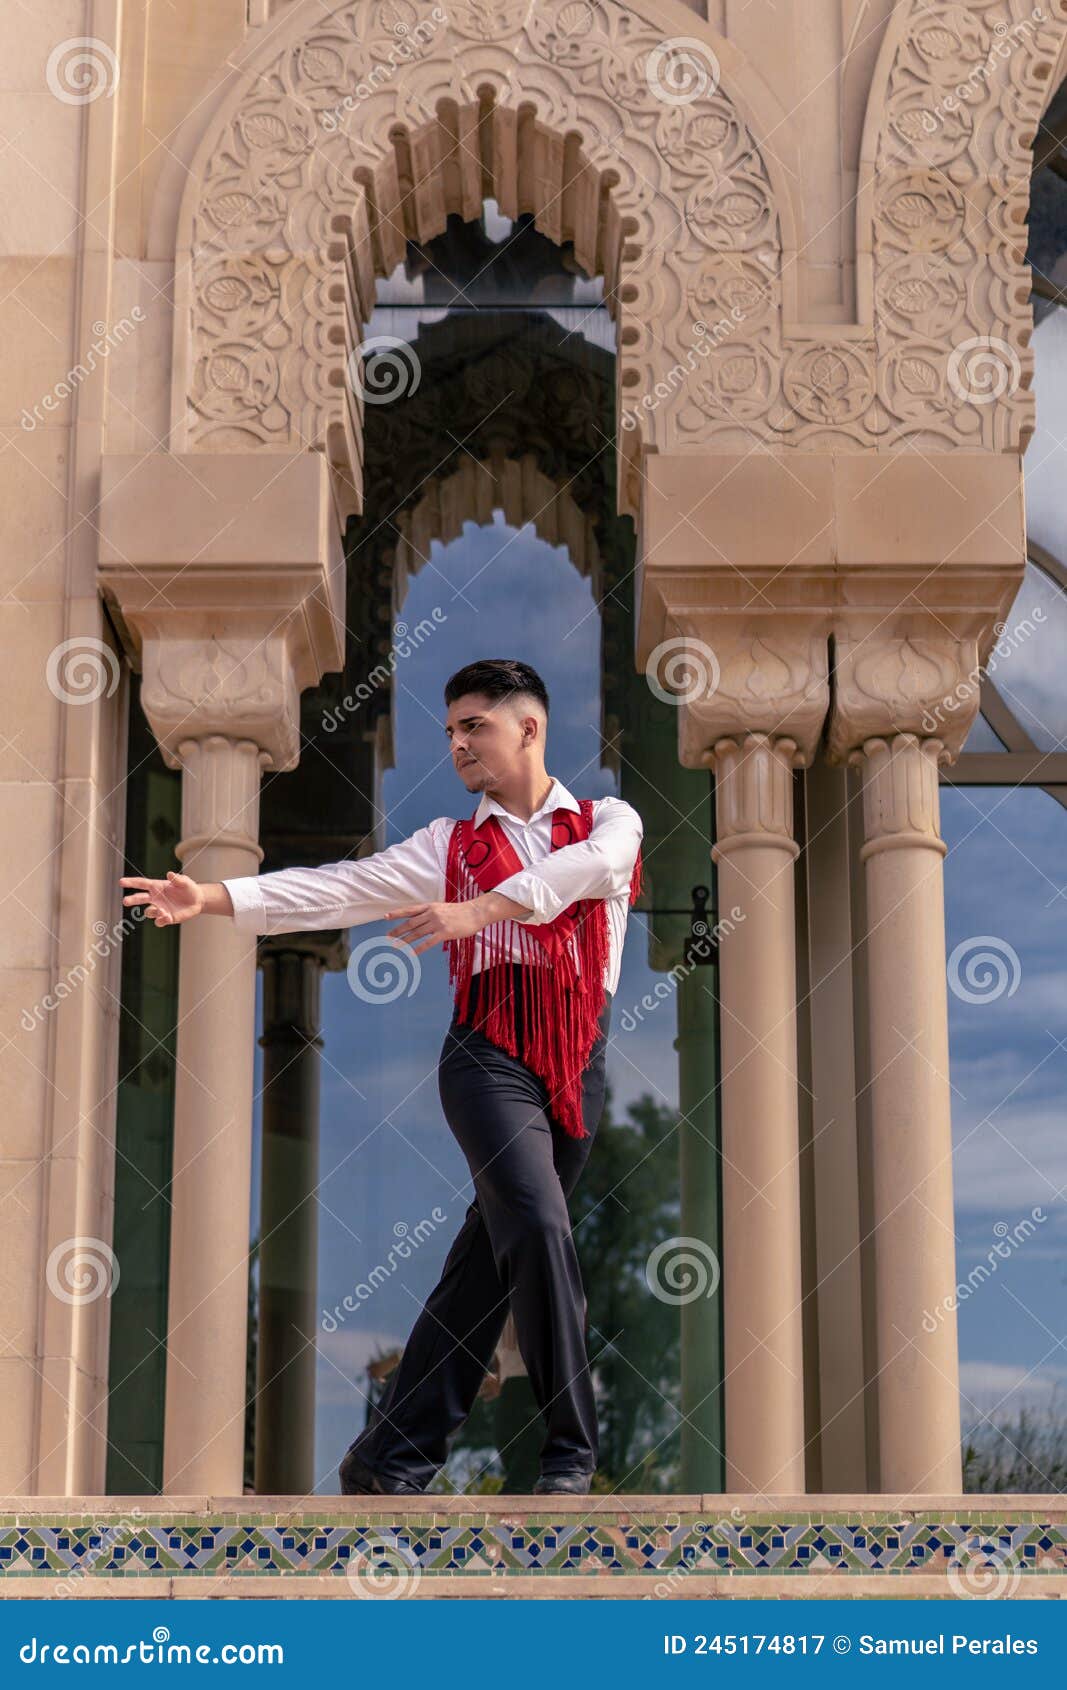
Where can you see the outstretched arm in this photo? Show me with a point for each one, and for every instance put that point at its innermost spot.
(402, 879)
(294, 900)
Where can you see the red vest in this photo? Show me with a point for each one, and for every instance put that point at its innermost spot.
(561, 1003)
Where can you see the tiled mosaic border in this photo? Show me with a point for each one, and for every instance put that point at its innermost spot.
(416, 1541)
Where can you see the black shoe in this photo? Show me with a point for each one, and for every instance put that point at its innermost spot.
(357, 1479)
(574, 1483)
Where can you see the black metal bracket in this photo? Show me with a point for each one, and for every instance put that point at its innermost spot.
(702, 945)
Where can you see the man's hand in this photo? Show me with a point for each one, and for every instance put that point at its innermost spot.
(177, 898)
(431, 924)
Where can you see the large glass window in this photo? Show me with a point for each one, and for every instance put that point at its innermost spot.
(1006, 916)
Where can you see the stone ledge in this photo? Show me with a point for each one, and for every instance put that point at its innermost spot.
(697, 1587)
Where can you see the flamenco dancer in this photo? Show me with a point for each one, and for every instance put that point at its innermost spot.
(529, 896)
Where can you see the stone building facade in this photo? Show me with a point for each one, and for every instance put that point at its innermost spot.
(810, 223)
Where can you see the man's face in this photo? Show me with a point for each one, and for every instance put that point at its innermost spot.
(485, 739)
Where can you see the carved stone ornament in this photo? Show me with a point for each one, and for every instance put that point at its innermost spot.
(241, 686)
(361, 123)
(730, 675)
(949, 187)
(925, 683)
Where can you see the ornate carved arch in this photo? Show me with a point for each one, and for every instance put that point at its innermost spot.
(517, 486)
(366, 122)
(955, 103)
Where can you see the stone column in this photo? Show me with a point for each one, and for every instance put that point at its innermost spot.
(286, 1351)
(747, 563)
(755, 852)
(225, 573)
(910, 1095)
(752, 697)
(211, 1171)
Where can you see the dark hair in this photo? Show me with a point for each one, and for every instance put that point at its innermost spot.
(497, 677)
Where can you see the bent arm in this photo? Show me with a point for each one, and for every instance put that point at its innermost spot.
(342, 894)
(597, 867)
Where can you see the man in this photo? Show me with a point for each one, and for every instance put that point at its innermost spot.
(530, 897)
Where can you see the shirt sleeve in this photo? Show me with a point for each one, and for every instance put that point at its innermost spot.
(343, 894)
(597, 867)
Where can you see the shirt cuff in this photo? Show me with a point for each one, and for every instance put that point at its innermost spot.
(247, 899)
(535, 893)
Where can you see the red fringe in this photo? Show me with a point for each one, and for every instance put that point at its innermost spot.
(561, 1003)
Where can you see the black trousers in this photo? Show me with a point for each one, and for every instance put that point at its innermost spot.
(514, 1248)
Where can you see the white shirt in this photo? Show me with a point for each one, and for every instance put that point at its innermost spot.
(345, 894)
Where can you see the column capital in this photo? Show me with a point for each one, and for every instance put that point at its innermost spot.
(921, 679)
(738, 675)
(205, 674)
(225, 576)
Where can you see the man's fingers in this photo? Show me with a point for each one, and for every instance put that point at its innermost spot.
(422, 925)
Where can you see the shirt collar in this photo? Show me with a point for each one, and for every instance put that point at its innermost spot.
(558, 799)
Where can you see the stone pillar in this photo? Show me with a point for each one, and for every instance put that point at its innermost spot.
(753, 701)
(286, 1351)
(746, 565)
(755, 852)
(211, 1177)
(225, 574)
(911, 1117)
(892, 689)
